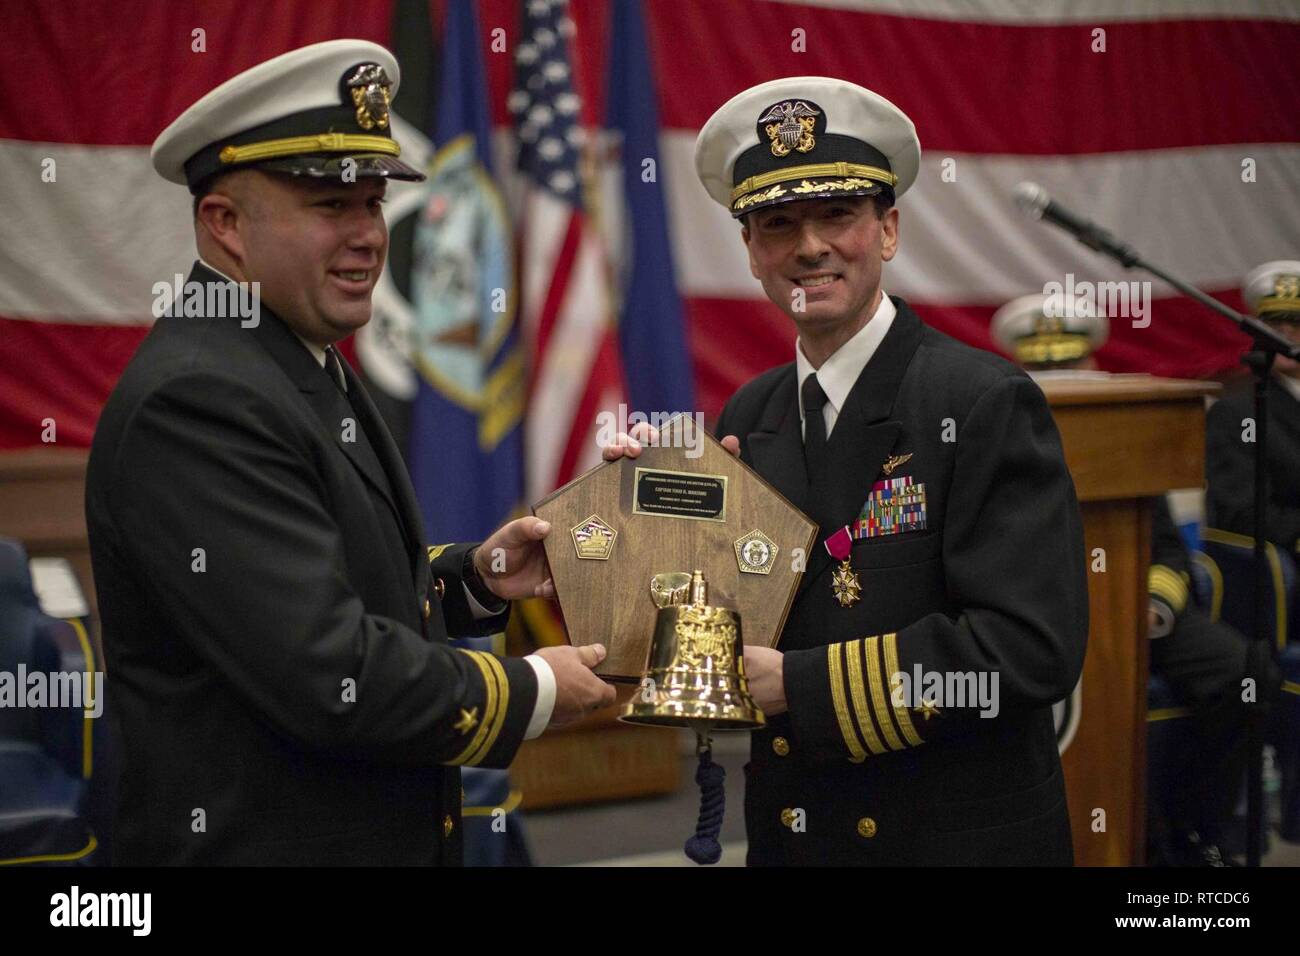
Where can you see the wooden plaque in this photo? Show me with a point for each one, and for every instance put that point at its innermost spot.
(620, 524)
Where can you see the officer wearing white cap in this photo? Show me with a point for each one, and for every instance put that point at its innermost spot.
(950, 544)
(275, 626)
(1272, 292)
(1042, 333)
(1202, 660)
(801, 138)
(302, 113)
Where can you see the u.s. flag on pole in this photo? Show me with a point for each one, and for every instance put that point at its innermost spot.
(566, 304)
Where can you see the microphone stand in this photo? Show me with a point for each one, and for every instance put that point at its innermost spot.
(1268, 344)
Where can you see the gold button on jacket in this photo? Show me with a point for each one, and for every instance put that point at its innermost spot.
(867, 827)
(447, 825)
(781, 746)
(428, 610)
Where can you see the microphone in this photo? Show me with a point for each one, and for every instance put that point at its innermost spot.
(1035, 202)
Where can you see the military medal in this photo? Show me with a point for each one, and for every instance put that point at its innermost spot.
(844, 582)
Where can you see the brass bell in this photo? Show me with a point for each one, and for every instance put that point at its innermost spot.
(696, 673)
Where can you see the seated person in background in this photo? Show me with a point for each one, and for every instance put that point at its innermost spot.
(1042, 333)
(1273, 293)
(1203, 661)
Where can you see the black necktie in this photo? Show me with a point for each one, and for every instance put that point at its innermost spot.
(335, 369)
(814, 427)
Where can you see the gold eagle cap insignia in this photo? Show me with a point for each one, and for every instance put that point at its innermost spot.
(372, 92)
(789, 126)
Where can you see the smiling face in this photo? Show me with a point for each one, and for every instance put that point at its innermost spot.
(820, 260)
(317, 247)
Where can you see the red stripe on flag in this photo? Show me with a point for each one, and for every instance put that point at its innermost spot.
(970, 86)
(605, 377)
(1183, 339)
(59, 371)
(556, 291)
(992, 88)
(733, 340)
(116, 73)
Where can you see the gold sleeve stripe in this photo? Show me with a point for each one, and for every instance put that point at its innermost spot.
(489, 708)
(858, 693)
(435, 550)
(879, 702)
(87, 728)
(1275, 568)
(901, 714)
(503, 705)
(836, 674)
(1168, 578)
(1167, 585)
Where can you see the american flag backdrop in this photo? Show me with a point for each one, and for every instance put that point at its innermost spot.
(567, 310)
(1171, 122)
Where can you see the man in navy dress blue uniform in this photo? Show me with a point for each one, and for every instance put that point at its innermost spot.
(276, 627)
(944, 608)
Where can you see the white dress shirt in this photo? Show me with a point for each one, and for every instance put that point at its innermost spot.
(545, 704)
(840, 372)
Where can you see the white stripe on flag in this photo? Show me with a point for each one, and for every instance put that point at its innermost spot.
(962, 243)
(544, 222)
(965, 243)
(90, 245)
(566, 366)
(1046, 12)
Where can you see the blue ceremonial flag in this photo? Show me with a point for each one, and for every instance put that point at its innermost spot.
(466, 444)
(652, 327)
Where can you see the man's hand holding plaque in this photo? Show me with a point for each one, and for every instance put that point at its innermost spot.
(763, 665)
(670, 502)
(667, 552)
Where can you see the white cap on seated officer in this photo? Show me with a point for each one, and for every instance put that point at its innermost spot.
(1042, 331)
(1272, 292)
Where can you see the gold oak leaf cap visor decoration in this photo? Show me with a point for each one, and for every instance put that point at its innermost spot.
(306, 113)
(805, 137)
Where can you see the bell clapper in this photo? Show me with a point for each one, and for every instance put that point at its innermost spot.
(703, 735)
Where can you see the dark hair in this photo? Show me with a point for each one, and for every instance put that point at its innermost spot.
(883, 201)
(202, 188)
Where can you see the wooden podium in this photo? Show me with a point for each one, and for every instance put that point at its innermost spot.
(1128, 439)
